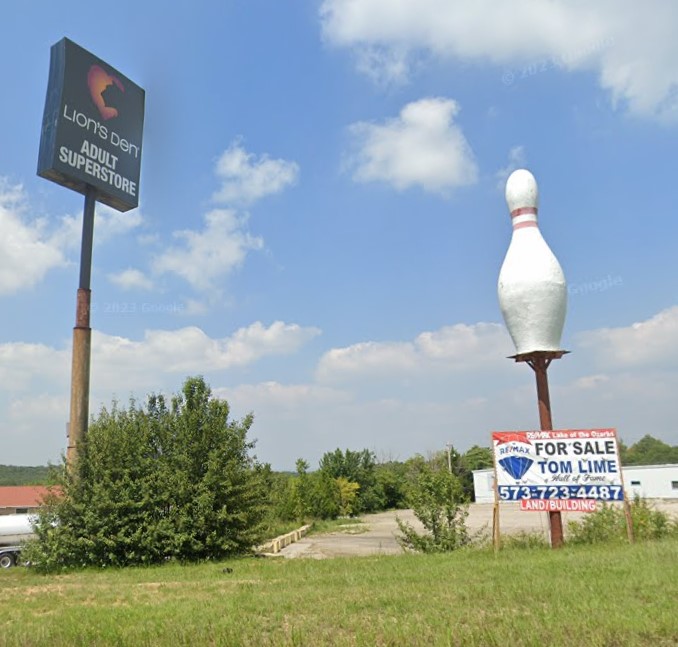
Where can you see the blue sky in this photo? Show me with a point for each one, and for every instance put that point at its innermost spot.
(322, 218)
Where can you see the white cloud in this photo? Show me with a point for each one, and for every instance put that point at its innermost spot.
(108, 224)
(283, 398)
(421, 147)
(590, 382)
(572, 34)
(202, 257)
(196, 308)
(367, 358)
(210, 254)
(624, 389)
(49, 408)
(384, 67)
(23, 364)
(246, 179)
(121, 362)
(460, 387)
(35, 378)
(34, 429)
(148, 239)
(635, 402)
(26, 251)
(516, 160)
(248, 344)
(131, 279)
(396, 398)
(653, 342)
(457, 348)
(306, 421)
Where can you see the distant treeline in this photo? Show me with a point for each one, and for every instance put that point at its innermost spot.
(23, 474)
(647, 451)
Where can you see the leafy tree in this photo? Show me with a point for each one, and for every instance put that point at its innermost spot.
(648, 451)
(348, 492)
(477, 458)
(623, 451)
(281, 504)
(439, 502)
(325, 496)
(154, 483)
(461, 465)
(314, 495)
(357, 467)
(301, 492)
(392, 482)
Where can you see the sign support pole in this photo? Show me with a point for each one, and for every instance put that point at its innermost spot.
(539, 362)
(496, 534)
(82, 336)
(627, 506)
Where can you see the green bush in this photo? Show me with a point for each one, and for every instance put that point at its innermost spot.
(155, 483)
(609, 524)
(438, 501)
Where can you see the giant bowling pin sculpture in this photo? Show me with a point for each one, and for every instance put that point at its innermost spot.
(532, 288)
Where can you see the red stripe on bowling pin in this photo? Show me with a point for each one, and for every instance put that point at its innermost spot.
(524, 217)
(522, 211)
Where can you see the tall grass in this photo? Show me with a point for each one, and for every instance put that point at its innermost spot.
(580, 595)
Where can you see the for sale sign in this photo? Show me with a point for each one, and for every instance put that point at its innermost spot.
(565, 466)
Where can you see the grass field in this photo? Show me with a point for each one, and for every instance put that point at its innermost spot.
(614, 595)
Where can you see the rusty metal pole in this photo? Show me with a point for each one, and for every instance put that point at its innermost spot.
(540, 366)
(82, 336)
(539, 361)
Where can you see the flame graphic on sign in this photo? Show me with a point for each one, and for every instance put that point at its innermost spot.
(98, 81)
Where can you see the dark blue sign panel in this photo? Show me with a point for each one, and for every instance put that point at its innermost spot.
(92, 127)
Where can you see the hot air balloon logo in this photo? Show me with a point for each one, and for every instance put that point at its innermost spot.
(516, 466)
(514, 450)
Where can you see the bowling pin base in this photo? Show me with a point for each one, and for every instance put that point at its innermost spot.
(548, 355)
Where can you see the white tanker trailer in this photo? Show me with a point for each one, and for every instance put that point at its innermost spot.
(14, 530)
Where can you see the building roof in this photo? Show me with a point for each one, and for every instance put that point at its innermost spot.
(22, 496)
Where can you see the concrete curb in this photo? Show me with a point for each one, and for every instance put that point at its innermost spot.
(274, 546)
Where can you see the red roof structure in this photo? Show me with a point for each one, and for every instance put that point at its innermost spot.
(22, 496)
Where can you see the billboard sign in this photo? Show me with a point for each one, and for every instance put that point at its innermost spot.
(92, 127)
(557, 470)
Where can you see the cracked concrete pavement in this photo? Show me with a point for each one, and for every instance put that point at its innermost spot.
(379, 538)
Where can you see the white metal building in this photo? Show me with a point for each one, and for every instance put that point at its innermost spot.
(651, 481)
(647, 481)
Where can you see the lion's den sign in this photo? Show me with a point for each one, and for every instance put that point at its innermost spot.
(92, 127)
